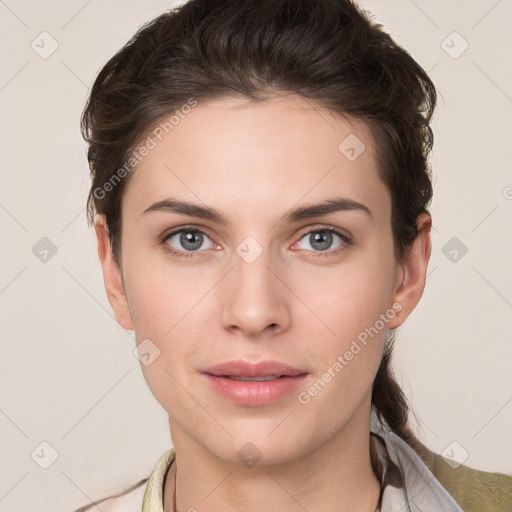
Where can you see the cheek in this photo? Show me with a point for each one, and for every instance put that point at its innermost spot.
(341, 302)
(164, 296)
(171, 375)
(348, 328)
(167, 314)
(348, 346)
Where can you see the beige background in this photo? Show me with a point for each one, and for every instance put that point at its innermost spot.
(68, 374)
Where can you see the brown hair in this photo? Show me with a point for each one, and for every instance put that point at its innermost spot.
(328, 51)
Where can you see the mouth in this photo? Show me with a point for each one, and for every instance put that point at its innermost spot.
(254, 384)
(253, 379)
(268, 370)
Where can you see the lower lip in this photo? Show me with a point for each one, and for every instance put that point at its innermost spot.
(255, 392)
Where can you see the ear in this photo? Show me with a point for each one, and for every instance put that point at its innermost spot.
(112, 275)
(411, 277)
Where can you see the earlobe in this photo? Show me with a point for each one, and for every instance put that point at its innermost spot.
(112, 275)
(413, 271)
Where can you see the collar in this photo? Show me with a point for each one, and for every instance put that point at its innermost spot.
(406, 482)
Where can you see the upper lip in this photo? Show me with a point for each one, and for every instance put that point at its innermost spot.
(245, 369)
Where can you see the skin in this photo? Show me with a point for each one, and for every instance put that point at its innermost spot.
(253, 162)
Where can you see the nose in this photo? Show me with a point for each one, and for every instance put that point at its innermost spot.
(254, 298)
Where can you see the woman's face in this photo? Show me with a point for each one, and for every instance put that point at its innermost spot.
(268, 283)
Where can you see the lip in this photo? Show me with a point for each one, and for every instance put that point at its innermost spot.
(256, 392)
(242, 368)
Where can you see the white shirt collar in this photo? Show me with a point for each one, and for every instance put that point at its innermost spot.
(422, 491)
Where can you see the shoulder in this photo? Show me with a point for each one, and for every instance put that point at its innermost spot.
(472, 489)
(128, 501)
(136, 497)
(455, 486)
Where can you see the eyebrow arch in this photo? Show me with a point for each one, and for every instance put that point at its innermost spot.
(330, 206)
(301, 213)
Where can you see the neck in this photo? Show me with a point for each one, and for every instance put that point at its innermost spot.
(337, 475)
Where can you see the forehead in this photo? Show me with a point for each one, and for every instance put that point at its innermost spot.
(245, 157)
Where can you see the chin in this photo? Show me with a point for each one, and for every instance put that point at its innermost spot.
(256, 447)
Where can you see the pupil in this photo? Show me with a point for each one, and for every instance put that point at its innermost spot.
(323, 239)
(191, 240)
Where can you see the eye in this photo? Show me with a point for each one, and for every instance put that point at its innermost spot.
(322, 240)
(186, 240)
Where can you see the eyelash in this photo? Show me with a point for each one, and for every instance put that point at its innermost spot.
(320, 254)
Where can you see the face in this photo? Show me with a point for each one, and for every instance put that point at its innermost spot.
(262, 278)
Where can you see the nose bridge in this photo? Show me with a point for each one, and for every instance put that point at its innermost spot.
(254, 298)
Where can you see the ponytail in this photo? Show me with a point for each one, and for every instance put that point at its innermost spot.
(390, 403)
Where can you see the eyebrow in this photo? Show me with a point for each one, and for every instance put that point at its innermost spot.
(304, 212)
